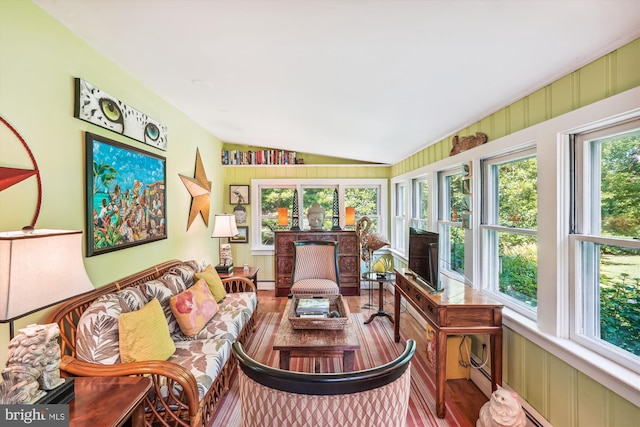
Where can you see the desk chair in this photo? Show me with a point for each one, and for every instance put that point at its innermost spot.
(315, 268)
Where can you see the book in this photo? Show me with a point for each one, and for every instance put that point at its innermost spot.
(312, 305)
(313, 315)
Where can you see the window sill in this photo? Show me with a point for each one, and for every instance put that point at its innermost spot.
(611, 375)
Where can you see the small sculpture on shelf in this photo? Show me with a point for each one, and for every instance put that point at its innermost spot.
(464, 143)
(33, 362)
(315, 216)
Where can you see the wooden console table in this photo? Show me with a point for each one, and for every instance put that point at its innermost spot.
(108, 401)
(458, 310)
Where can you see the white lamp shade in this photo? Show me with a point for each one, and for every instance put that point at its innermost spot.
(39, 270)
(225, 226)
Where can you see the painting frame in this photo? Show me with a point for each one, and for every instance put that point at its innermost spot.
(126, 195)
(238, 194)
(242, 237)
(99, 108)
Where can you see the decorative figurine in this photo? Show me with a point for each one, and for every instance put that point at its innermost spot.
(315, 216)
(33, 362)
(464, 143)
(502, 410)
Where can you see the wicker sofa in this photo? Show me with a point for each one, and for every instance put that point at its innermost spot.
(188, 386)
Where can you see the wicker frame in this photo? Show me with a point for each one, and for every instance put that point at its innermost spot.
(184, 410)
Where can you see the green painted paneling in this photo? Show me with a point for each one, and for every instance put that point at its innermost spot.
(562, 96)
(627, 74)
(536, 376)
(593, 82)
(592, 403)
(562, 382)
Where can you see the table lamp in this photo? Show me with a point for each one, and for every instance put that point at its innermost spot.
(350, 216)
(225, 226)
(38, 269)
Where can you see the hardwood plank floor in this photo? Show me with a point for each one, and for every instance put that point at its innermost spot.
(462, 393)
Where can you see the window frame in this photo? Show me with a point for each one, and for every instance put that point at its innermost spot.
(489, 226)
(585, 226)
(257, 248)
(444, 224)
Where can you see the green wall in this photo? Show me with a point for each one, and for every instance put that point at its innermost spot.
(609, 75)
(39, 59)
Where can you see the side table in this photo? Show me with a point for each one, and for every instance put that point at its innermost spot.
(381, 278)
(108, 401)
(252, 274)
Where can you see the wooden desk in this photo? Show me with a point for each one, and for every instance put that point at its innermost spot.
(108, 401)
(458, 310)
(239, 272)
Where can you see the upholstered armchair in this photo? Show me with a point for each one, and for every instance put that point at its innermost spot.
(315, 268)
(373, 397)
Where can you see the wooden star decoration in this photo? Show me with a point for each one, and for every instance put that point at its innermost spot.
(200, 190)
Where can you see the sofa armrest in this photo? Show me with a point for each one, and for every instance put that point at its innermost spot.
(155, 369)
(238, 284)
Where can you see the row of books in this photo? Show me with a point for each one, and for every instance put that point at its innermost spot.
(313, 307)
(262, 157)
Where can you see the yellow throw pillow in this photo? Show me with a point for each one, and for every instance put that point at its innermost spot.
(210, 275)
(144, 334)
(193, 308)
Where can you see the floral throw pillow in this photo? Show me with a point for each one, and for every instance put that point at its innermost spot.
(193, 308)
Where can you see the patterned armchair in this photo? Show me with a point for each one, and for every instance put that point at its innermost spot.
(315, 268)
(373, 397)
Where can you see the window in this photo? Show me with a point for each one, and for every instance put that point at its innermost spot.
(606, 223)
(366, 195)
(509, 224)
(399, 217)
(272, 198)
(324, 197)
(366, 201)
(450, 222)
(421, 204)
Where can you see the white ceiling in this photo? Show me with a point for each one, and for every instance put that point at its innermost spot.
(359, 79)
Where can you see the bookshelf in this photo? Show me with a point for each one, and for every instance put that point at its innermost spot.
(260, 157)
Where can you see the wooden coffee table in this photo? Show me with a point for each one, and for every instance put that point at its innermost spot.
(315, 343)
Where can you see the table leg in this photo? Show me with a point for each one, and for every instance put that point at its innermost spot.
(380, 311)
(285, 359)
(348, 362)
(441, 371)
(396, 312)
(495, 346)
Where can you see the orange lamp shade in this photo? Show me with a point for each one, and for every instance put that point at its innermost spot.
(283, 216)
(350, 216)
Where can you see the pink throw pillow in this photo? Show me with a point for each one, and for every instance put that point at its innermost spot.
(193, 308)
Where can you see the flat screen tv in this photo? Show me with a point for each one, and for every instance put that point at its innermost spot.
(423, 258)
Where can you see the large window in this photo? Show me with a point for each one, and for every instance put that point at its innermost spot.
(450, 221)
(510, 244)
(606, 223)
(365, 195)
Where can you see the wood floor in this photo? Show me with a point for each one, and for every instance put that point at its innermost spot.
(463, 393)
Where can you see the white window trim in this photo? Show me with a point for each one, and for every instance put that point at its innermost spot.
(257, 249)
(551, 330)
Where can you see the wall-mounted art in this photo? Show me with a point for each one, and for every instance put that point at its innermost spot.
(98, 107)
(126, 196)
(200, 189)
(239, 194)
(242, 236)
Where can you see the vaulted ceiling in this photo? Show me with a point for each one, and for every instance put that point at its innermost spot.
(360, 79)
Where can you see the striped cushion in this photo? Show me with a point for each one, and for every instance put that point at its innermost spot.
(315, 286)
(315, 262)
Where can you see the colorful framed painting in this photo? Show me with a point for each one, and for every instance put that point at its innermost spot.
(126, 196)
(242, 237)
(98, 107)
